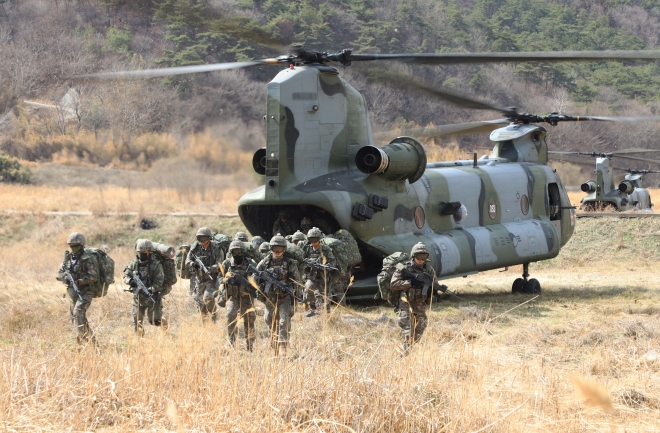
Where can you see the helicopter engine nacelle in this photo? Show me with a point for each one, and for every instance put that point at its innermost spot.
(404, 158)
(259, 161)
(588, 187)
(626, 186)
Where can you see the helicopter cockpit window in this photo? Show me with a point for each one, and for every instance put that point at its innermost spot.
(554, 202)
(508, 151)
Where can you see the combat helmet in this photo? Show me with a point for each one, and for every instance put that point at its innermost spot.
(278, 241)
(237, 245)
(298, 236)
(76, 238)
(264, 247)
(143, 245)
(257, 240)
(315, 232)
(419, 248)
(283, 214)
(241, 236)
(204, 231)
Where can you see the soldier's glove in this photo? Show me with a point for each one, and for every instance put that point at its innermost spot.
(133, 283)
(195, 265)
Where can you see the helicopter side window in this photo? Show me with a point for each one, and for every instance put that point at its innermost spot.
(554, 199)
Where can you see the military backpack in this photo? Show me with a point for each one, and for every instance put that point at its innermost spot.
(165, 255)
(223, 241)
(106, 272)
(348, 248)
(385, 277)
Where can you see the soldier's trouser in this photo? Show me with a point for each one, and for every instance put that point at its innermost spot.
(78, 312)
(412, 323)
(278, 317)
(145, 306)
(316, 291)
(245, 305)
(204, 299)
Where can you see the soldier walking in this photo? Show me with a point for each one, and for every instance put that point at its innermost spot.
(238, 296)
(279, 305)
(203, 260)
(150, 272)
(413, 303)
(79, 272)
(318, 282)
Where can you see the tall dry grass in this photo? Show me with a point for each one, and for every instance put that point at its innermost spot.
(498, 362)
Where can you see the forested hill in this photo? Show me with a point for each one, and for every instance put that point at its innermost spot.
(45, 42)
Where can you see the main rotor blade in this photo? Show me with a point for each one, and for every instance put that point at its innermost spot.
(635, 150)
(442, 130)
(547, 56)
(180, 70)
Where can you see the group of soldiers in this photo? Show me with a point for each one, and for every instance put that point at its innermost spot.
(236, 279)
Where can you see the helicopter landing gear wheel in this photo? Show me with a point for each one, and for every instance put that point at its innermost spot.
(532, 287)
(517, 286)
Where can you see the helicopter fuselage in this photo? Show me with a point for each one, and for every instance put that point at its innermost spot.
(503, 210)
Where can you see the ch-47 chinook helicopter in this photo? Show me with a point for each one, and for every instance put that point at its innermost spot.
(507, 209)
(609, 192)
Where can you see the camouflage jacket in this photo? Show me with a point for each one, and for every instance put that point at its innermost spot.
(210, 256)
(285, 268)
(231, 267)
(325, 252)
(403, 284)
(151, 273)
(83, 267)
(284, 228)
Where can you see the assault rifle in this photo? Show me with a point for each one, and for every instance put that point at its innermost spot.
(271, 280)
(241, 281)
(320, 266)
(140, 285)
(70, 277)
(202, 266)
(428, 281)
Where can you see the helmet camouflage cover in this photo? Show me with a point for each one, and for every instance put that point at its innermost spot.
(76, 238)
(264, 247)
(305, 223)
(298, 236)
(419, 248)
(143, 245)
(241, 236)
(257, 240)
(315, 233)
(234, 245)
(278, 240)
(204, 231)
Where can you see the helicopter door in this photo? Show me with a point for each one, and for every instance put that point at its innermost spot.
(554, 206)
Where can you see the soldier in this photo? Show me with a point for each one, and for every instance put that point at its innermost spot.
(298, 237)
(207, 252)
(412, 303)
(264, 249)
(318, 282)
(150, 272)
(82, 267)
(321, 220)
(306, 225)
(241, 236)
(239, 296)
(284, 225)
(257, 241)
(279, 305)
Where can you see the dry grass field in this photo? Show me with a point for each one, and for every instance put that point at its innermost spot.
(583, 356)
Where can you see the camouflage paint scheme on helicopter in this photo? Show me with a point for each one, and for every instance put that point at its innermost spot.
(602, 192)
(505, 209)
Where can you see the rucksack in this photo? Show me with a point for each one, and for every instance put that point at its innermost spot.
(179, 261)
(224, 242)
(251, 251)
(106, 272)
(385, 277)
(348, 249)
(165, 254)
(335, 246)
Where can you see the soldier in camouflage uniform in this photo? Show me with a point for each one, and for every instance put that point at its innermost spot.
(306, 225)
(83, 267)
(318, 283)
(412, 304)
(150, 272)
(321, 220)
(264, 249)
(239, 297)
(298, 237)
(284, 225)
(210, 254)
(279, 306)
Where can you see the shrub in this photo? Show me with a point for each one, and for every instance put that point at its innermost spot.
(12, 171)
